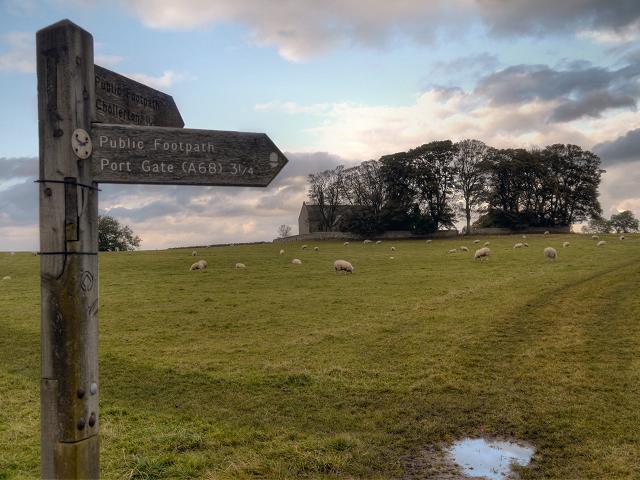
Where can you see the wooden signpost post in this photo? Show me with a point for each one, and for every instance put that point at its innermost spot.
(96, 126)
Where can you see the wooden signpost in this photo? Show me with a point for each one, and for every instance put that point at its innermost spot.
(96, 126)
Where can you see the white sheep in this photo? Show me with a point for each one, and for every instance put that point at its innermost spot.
(546, 232)
(429, 241)
(565, 244)
(524, 236)
(453, 250)
(282, 251)
(463, 249)
(550, 253)
(595, 237)
(315, 249)
(6, 278)
(601, 243)
(240, 265)
(199, 265)
(296, 261)
(194, 253)
(621, 237)
(35, 254)
(366, 241)
(476, 241)
(482, 253)
(378, 242)
(393, 249)
(392, 258)
(518, 245)
(343, 265)
(346, 243)
(486, 244)
(304, 247)
(12, 253)
(526, 245)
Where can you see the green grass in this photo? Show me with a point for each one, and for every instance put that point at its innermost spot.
(287, 372)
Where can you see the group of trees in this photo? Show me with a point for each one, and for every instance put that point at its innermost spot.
(424, 189)
(623, 222)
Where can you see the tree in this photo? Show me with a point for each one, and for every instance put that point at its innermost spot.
(624, 222)
(114, 237)
(364, 188)
(470, 178)
(598, 224)
(326, 191)
(433, 182)
(284, 231)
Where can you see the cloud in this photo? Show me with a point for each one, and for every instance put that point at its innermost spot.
(624, 149)
(107, 60)
(21, 54)
(580, 90)
(306, 28)
(168, 78)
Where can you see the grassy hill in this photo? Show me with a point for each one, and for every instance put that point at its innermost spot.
(285, 371)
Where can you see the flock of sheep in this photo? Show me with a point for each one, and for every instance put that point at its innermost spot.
(483, 253)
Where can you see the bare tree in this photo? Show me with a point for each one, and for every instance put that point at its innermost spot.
(470, 178)
(326, 191)
(284, 231)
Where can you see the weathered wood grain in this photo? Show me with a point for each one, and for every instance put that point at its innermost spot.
(69, 281)
(130, 154)
(120, 99)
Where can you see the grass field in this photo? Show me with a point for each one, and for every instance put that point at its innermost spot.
(283, 371)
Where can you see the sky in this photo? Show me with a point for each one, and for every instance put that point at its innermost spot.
(333, 82)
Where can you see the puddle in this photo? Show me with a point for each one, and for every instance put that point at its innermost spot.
(491, 459)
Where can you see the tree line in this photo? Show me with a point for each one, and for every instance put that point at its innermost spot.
(426, 188)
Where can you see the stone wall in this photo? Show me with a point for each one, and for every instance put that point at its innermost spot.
(391, 235)
(508, 231)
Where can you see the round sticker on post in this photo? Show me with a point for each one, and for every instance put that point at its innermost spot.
(81, 143)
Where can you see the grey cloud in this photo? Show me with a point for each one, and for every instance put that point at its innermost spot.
(480, 63)
(18, 167)
(514, 17)
(591, 105)
(581, 89)
(624, 149)
(18, 203)
(306, 28)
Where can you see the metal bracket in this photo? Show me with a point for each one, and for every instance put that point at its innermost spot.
(71, 218)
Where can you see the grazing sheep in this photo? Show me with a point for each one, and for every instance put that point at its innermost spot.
(304, 247)
(546, 232)
(343, 265)
(526, 244)
(476, 241)
(6, 278)
(378, 242)
(315, 249)
(392, 258)
(565, 244)
(240, 265)
(486, 244)
(12, 253)
(621, 237)
(550, 253)
(281, 251)
(199, 265)
(296, 261)
(463, 249)
(346, 243)
(482, 253)
(35, 254)
(453, 250)
(366, 241)
(194, 253)
(601, 243)
(518, 245)
(524, 236)
(393, 249)
(595, 237)
(429, 241)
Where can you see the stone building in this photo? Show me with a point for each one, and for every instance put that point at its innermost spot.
(310, 218)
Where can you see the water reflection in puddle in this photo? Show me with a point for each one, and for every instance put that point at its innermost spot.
(491, 459)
